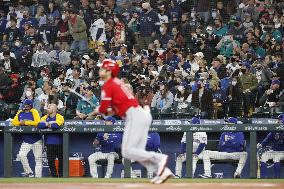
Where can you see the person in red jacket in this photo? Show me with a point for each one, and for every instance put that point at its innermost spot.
(116, 98)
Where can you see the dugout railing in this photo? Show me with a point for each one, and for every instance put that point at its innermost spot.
(165, 126)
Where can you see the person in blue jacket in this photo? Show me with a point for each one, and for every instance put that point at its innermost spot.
(276, 142)
(28, 116)
(53, 142)
(108, 146)
(153, 145)
(153, 142)
(231, 146)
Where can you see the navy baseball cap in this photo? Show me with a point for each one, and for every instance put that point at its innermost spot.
(195, 120)
(232, 120)
(110, 118)
(281, 118)
(28, 102)
(275, 82)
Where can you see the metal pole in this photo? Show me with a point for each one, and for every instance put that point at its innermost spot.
(127, 168)
(189, 148)
(253, 159)
(65, 155)
(8, 166)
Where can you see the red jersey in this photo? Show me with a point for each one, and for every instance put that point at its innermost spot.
(117, 96)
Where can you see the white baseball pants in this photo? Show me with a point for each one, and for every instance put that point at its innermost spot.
(206, 163)
(37, 151)
(276, 156)
(241, 156)
(93, 158)
(134, 139)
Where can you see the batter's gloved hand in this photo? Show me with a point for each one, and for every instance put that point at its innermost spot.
(258, 145)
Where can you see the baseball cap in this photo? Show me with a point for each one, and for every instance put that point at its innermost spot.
(275, 82)
(281, 116)
(110, 118)
(232, 120)
(195, 120)
(28, 102)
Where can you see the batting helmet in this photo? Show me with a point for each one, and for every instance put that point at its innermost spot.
(110, 65)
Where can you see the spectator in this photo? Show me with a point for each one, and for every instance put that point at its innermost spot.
(40, 57)
(53, 142)
(10, 64)
(3, 22)
(119, 31)
(178, 38)
(5, 82)
(108, 145)
(11, 33)
(182, 99)
(144, 95)
(27, 19)
(53, 14)
(271, 96)
(249, 84)
(235, 97)
(163, 99)
(202, 99)
(29, 94)
(86, 107)
(41, 16)
(219, 68)
(149, 21)
(78, 30)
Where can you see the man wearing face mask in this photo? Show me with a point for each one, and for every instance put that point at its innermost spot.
(219, 29)
(149, 22)
(249, 84)
(29, 94)
(27, 18)
(235, 98)
(271, 96)
(202, 47)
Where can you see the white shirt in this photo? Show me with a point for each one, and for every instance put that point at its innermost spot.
(198, 137)
(94, 29)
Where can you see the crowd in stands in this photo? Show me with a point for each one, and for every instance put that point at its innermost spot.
(221, 58)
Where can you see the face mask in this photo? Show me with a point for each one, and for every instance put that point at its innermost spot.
(63, 17)
(217, 25)
(150, 51)
(101, 83)
(162, 30)
(28, 93)
(25, 16)
(278, 25)
(144, 10)
(210, 32)
(214, 15)
(243, 71)
(192, 15)
(17, 44)
(234, 83)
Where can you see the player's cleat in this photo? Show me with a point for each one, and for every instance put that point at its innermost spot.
(205, 176)
(108, 176)
(237, 176)
(162, 165)
(155, 179)
(167, 173)
(95, 176)
(177, 177)
(30, 175)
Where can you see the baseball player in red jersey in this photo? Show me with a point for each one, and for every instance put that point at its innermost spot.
(116, 98)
